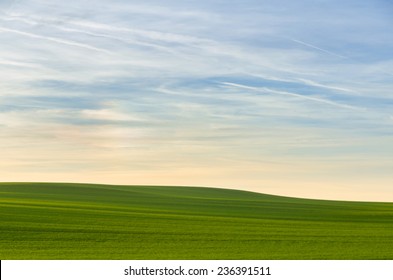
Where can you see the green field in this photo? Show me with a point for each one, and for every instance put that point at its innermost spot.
(82, 221)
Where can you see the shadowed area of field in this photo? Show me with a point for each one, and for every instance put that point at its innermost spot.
(84, 221)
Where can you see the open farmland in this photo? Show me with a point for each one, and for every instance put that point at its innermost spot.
(85, 221)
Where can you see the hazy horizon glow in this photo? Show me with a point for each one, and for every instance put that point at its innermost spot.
(285, 97)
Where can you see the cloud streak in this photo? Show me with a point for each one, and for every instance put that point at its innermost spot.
(318, 48)
(54, 39)
(292, 94)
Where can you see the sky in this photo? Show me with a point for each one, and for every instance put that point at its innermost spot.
(283, 97)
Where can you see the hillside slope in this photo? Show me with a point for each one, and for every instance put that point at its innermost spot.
(84, 221)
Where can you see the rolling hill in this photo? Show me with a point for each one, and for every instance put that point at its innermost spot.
(86, 221)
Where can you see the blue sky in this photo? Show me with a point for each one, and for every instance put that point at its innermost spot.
(284, 97)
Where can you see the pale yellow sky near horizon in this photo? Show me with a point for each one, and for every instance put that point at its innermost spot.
(262, 178)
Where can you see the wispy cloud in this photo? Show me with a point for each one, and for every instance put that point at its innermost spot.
(54, 39)
(318, 48)
(310, 98)
(312, 83)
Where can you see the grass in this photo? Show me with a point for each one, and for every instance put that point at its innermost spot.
(83, 221)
